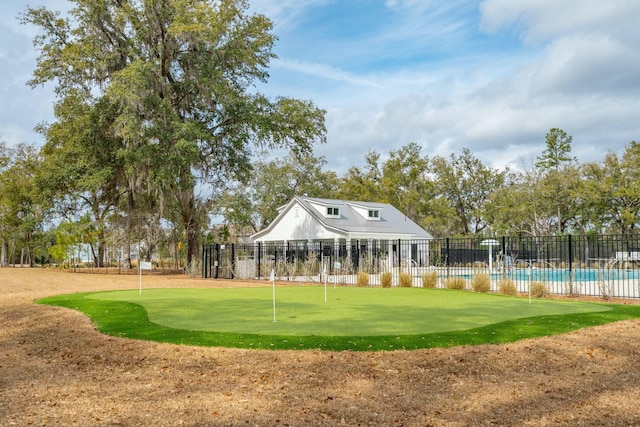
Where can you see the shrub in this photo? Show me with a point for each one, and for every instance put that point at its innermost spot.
(606, 286)
(456, 282)
(571, 288)
(311, 266)
(538, 289)
(363, 279)
(430, 279)
(366, 263)
(481, 282)
(194, 269)
(507, 287)
(281, 268)
(406, 280)
(385, 279)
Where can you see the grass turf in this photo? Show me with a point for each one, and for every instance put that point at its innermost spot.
(351, 319)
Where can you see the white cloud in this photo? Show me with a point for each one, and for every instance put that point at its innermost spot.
(578, 71)
(323, 71)
(543, 20)
(284, 13)
(589, 64)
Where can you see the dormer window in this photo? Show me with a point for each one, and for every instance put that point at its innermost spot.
(374, 214)
(333, 212)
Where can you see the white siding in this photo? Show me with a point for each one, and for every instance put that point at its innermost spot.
(298, 224)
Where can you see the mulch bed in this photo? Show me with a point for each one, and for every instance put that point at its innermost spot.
(56, 369)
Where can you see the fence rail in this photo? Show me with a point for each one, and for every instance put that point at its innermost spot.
(596, 265)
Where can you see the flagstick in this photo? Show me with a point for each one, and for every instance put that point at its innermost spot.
(139, 269)
(273, 281)
(325, 289)
(529, 282)
(324, 267)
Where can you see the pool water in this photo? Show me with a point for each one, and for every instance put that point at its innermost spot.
(579, 275)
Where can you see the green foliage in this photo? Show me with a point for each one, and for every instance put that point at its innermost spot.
(23, 208)
(405, 280)
(557, 152)
(612, 191)
(559, 179)
(429, 279)
(404, 181)
(252, 205)
(386, 279)
(466, 184)
(359, 184)
(154, 130)
(481, 282)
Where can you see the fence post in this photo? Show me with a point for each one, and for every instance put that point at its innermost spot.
(570, 255)
(259, 259)
(204, 261)
(217, 262)
(233, 260)
(504, 257)
(446, 261)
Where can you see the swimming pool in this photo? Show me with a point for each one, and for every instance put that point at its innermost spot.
(579, 275)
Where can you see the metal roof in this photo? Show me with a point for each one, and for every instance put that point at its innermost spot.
(350, 222)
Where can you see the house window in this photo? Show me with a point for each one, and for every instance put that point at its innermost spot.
(333, 212)
(374, 214)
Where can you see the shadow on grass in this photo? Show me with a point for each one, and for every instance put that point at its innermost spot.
(130, 320)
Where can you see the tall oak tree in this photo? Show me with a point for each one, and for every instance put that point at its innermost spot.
(183, 76)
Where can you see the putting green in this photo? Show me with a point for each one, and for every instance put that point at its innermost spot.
(348, 311)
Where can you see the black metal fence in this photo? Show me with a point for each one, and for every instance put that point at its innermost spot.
(597, 265)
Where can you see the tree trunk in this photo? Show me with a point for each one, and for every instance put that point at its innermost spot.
(4, 253)
(101, 254)
(191, 226)
(559, 221)
(193, 243)
(190, 211)
(129, 228)
(102, 247)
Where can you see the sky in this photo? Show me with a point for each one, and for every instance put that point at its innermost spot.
(492, 76)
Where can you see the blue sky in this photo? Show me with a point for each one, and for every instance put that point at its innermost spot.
(492, 76)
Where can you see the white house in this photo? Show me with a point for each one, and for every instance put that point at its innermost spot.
(372, 227)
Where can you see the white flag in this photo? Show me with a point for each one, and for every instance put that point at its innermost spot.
(145, 265)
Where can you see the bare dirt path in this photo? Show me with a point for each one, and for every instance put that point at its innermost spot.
(56, 369)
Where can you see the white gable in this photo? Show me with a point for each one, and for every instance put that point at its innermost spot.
(327, 210)
(296, 223)
(368, 213)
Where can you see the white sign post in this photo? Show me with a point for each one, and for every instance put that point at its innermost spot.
(143, 265)
(324, 268)
(491, 243)
(272, 277)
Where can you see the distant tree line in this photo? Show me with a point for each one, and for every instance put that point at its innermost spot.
(458, 195)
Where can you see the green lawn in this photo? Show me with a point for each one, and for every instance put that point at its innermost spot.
(351, 318)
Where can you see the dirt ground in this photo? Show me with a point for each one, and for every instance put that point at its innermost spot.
(56, 369)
